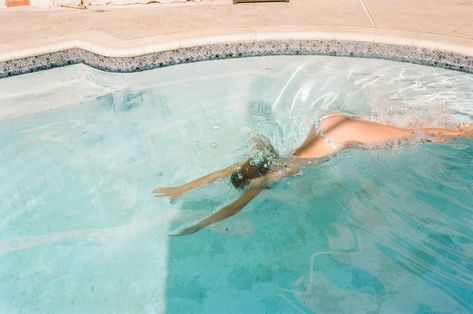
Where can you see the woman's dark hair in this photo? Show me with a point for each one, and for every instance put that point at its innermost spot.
(259, 163)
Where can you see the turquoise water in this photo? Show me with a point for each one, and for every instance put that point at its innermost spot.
(386, 230)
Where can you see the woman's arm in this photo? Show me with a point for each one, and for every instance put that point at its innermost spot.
(176, 191)
(226, 211)
(256, 185)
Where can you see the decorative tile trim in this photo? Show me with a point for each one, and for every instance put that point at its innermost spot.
(416, 55)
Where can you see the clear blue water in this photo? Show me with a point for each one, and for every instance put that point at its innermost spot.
(386, 230)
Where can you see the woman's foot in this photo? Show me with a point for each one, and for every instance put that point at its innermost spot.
(466, 129)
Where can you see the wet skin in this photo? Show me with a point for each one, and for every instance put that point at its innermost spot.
(342, 131)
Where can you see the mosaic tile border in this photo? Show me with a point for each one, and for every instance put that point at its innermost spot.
(416, 55)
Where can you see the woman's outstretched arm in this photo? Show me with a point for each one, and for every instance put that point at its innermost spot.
(224, 212)
(256, 185)
(178, 190)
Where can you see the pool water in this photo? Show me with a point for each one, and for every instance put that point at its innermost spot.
(387, 230)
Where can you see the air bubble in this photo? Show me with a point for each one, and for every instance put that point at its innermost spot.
(216, 126)
(213, 145)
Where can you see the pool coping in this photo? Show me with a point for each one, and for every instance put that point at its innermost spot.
(407, 47)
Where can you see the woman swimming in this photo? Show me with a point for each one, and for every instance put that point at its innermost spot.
(329, 134)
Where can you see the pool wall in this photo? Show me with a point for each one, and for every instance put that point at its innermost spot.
(347, 48)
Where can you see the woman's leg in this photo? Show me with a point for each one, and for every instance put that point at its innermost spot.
(441, 135)
(439, 131)
(347, 130)
(344, 130)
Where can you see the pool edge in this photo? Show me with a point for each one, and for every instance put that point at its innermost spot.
(420, 51)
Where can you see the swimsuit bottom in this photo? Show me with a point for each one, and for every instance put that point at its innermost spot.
(321, 134)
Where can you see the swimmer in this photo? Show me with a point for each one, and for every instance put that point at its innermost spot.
(328, 135)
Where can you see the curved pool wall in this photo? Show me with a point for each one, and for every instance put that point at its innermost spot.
(413, 54)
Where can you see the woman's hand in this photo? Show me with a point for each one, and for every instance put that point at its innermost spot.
(185, 230)
(172, 192)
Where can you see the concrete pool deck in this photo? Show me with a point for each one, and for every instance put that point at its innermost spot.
(139, 29)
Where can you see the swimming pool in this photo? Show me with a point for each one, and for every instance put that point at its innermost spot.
(387, 230)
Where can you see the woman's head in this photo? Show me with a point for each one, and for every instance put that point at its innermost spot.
(259, 163)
